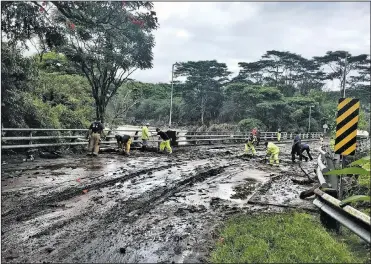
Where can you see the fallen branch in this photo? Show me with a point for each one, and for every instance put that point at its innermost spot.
(309, 178)
(308, 193)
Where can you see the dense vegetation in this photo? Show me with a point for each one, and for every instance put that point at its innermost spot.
(87, 51)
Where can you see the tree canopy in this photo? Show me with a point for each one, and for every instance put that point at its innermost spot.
(87, 52)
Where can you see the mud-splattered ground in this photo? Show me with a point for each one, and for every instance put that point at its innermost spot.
(144, 208)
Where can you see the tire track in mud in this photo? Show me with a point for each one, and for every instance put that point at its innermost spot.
(136, 207)
(26, 211)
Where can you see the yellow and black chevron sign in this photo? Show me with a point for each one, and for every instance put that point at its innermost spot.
(346, 126)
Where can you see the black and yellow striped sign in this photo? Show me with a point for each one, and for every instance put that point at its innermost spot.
(346, 126)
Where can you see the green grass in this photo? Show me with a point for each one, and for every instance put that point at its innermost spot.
(283, 238)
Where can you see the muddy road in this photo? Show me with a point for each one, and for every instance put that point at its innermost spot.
(144, 208)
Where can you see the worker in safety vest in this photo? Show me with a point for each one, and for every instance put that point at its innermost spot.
(145, 136)
(95, 133)
(248, 145)
(279, 135)
(122, 141)
(165, 141)
(272, 151)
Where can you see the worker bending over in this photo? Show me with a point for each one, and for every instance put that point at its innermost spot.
(165, 141)
(248, 145)
(279, 135)
(145, 136)
(298, 149)
(272, 151)
(122, 141)
(297, 138)
(95, 132)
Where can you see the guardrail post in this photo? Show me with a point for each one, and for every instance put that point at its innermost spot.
(333, 180)
(30, 142)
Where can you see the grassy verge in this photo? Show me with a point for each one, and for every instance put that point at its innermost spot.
(280, 238)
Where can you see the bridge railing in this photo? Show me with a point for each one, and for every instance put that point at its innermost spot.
(13, 138)
(330, 189)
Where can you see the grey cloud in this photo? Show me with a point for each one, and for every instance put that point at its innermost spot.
(232, 32)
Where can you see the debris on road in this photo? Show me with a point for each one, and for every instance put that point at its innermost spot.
(146, 201)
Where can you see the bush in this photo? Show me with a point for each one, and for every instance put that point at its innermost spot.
(248, 124)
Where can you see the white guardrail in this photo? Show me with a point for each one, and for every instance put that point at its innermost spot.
(49, 137)
(358, 222)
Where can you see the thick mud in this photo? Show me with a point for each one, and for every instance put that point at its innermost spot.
(147, 207)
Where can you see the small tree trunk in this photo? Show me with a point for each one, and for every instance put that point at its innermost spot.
(100, 109)
(96, 109)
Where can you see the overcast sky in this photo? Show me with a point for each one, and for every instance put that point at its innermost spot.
(232, 32)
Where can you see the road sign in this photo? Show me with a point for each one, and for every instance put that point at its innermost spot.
(346, 126)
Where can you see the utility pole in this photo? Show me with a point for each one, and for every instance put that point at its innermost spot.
(171, 96)
(310, 115)
(344, 77)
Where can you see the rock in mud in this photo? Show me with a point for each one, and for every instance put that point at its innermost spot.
(178, 250)
(49, 249)
(181, 212)
(122, 250)
(215, 201)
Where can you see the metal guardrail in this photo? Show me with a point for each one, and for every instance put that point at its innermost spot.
(356, 221)
(188, 137)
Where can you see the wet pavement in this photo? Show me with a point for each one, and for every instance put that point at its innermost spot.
(148, 207)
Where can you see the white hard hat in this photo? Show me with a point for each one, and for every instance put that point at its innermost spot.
(147, 124)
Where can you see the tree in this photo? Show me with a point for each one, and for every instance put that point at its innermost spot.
(246, 125)
(287, 71)
(235, 103)
(54, 62)
(18, 75)
(128, 96)
(108, 43)
(22, 21)
(202, 88)
(251, 73)
(104, 41)
(59, 101)
(339, 69)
